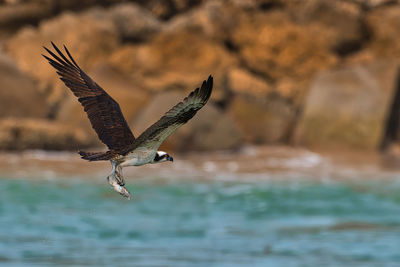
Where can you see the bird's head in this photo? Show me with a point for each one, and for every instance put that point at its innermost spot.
(162, 156)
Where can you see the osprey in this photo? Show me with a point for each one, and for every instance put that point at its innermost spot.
(111, 127)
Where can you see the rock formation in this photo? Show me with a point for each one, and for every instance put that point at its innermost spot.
(269, 59)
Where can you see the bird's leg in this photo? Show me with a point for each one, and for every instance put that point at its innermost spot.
(111, 176)
(115, 183)
(119, 176)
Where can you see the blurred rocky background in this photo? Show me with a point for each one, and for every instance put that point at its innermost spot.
(314, 73)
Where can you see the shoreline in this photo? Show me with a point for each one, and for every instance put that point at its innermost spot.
(253, 162)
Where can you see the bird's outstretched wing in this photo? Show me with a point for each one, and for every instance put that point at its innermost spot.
(103, 112)
(177, 116)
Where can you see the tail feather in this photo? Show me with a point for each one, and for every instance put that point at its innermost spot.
(96, 156)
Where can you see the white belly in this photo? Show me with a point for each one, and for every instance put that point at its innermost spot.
(138, 157)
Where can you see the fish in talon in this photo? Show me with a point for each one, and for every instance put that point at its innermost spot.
(122, 191)
(119, 188)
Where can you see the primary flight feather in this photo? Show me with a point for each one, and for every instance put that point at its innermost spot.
(111, 127)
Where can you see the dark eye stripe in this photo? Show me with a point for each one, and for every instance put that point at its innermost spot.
(158, 158)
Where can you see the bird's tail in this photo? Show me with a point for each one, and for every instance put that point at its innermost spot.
(96, 156)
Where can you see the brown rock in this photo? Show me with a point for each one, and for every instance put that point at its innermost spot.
(342, 18)
(293, 90)
(133, 22)
(176, 61)
(153, 111)
(375, 3)
(384, 24)
(16, 14)
(79, 5)
(166, 10)
(19, 95)
(349, 108)
(391, 157)
(210, 129)
(262, 120)
(242, 81)
(100, 38)
(272, 45)
(362, 57)
(213, 19)
(19, 134)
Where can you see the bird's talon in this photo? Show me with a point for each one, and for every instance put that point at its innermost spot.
(120, 179)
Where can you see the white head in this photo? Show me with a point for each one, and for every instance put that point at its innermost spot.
(162, 156)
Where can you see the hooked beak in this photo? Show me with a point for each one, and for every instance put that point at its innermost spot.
(169, 158)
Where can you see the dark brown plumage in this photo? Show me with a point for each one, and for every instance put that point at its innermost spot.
(103, 112)
(107, 119)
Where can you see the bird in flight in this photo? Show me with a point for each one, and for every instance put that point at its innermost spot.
(111, 127)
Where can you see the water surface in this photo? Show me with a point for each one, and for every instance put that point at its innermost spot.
(77, 222)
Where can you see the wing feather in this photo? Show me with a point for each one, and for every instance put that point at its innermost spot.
(177, 116)
(102, 110)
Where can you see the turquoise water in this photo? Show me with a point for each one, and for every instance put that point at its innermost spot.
(174, 223)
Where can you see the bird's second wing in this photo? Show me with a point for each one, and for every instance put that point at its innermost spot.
(177, 116)
(103, 112)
